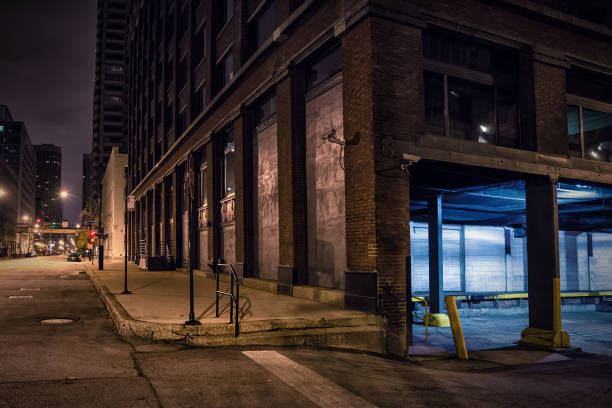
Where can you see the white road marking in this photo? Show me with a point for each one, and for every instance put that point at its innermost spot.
(21, 297)
(29, 289)
(316, 388)
(553, 358)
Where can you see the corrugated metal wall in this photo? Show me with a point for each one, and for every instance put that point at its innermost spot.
(476, 260)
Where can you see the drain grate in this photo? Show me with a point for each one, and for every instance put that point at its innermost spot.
(57, 321)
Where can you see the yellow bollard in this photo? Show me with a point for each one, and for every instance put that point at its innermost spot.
(453, 316)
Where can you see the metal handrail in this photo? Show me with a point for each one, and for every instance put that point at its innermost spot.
(234, 299)
(424, 318)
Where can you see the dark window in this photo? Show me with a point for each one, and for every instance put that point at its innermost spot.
(114, 47)
(181, 75)
(113, 129)
(589, 85)
(113, 88)
(169, 72)
(224, 11)
(323, 67)
(594, 11)
(264, 109)
(183, 22)
(472, 92)
(115, 36)
(203, 180)
(434, 103)
(597, 127)
(471, 111)
(467, 53)
(182, 122)
(261, 28)
(115, 26)
(170, 25)
(198, 101)
(169, 117)
(195, 5)
(115, 16)
(114, 77)
(589, 115)
(228, 163)
(573, 131)
(224, 71)
(198, 46)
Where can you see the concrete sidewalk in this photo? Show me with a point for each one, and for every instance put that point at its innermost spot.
(159, 305)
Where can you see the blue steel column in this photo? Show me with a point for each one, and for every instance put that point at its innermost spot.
(436, 293)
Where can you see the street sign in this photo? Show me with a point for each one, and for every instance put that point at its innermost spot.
(131, 204)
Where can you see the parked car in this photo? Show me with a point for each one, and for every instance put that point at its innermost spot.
(31, 254)
(73, 256)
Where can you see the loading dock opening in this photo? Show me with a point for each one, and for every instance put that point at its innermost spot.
(472, 230)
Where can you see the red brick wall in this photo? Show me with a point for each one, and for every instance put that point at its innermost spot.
(383, 94)
(522, 25)
(550, 109)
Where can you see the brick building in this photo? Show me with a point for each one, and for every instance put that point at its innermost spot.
(330, 135)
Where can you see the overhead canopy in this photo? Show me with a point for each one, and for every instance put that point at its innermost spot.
(481, 196)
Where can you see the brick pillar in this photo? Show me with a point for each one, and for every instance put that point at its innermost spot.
(145, 221)
(174, 216)
(383, 99)
(543, 265)
(213, 214)
(154, 224)
(162, 212)
(291, 129)
(242, 202)
(550, 108)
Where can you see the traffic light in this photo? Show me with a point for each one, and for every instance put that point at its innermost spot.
(92, 236)
(38, 220)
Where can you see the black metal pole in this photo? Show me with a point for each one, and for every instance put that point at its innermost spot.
(237, 326)
(192, 320)
(100, 233)
(216, 270)
(125, 232)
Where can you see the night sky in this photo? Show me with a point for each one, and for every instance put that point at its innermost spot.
(47, 62)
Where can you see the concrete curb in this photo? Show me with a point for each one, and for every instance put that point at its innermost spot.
(359, 332)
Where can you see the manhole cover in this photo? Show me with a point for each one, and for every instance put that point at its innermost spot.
(56, 321)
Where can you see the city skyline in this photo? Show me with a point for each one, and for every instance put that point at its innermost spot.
(46, 79)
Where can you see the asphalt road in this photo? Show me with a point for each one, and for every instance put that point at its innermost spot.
(84, 364)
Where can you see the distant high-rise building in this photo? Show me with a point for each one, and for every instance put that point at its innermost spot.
(49, 206)
(89, 186)
(18, 153)
(8, 210)
(110, 107)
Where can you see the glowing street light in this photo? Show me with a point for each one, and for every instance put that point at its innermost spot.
(25, 218)
(2, 192)
(63, 194)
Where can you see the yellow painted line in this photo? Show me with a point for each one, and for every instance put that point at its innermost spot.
(316, 388)
(526, 295)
